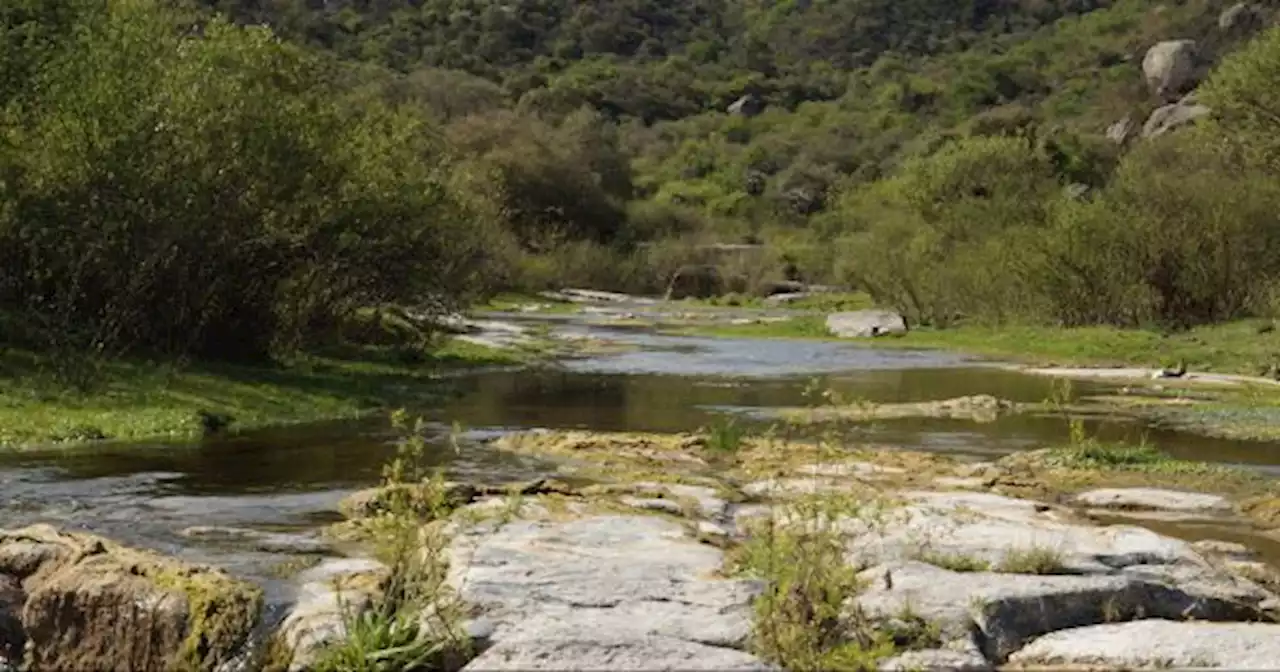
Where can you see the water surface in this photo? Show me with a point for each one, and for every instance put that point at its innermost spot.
(290, 480)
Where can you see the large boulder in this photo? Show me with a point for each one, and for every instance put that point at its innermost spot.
(866, 324)
(1172, 117)
(1169, 67)
(90, 604)
(601, 592)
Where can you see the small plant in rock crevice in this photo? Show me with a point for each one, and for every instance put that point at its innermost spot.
(805, 620)
(414, 621)
(956, 562)
(1033, 560)
(725, 436)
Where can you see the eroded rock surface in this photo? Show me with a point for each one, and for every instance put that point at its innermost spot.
(88, 603)
(1159, 644)
(1154, 499)
(329, 594)
(605, 591)
(997, 613)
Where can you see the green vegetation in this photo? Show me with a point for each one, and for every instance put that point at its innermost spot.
(956, 562)
(415, 621)
(143, 400)
(1083, 452)
(180, 182)
(1034, 560)
(725, 435)
(802, 620)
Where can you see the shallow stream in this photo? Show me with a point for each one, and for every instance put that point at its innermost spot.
(253, 502)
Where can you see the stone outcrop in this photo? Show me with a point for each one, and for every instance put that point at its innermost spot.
(1172, 117)
(631, 574)
(1028, 570)
(1162, 644)
(88, 603)
(1154, 499)
(1122, 130)
(601, 592)
(866, 324)
(1169, 67)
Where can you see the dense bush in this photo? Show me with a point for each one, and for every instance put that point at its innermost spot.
(172, 183)
(1183, 233)
(198, 189)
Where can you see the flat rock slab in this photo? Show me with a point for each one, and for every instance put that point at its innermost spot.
(1159, 644)
(996, 614)
(1154, 499)
(602, 592)
(991, 528)
(594, 654)
(850, 469)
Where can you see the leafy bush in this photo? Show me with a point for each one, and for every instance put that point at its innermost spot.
(201, 192)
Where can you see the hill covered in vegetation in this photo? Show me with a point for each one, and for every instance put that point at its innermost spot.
(232, 178)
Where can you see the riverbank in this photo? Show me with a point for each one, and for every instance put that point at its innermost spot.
(137, 400)
(1246, 347)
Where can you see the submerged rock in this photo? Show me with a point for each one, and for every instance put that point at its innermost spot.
(610, 591)
(88, 603)
(978, 408)
(1159, 644)
(1154, 499)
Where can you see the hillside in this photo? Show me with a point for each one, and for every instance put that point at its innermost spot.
(848, 87)
(212, 179)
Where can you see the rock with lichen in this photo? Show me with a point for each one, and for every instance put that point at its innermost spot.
(88, 603)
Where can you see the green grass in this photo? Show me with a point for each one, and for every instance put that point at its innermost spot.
(1034, 560)
(135, 400)
(956, 562)
(725, 436)
(823, 302)
(804, 327)
(1091, 454)
(513, 302)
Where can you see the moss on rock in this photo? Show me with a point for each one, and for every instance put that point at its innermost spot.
(94, 604)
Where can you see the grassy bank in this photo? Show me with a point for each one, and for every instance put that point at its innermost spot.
(512, 302)
(1235, 347)
(134, 400)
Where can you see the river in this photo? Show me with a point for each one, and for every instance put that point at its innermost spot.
(287, 481)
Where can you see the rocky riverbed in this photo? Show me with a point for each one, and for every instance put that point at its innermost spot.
(670, 552)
